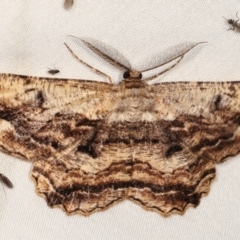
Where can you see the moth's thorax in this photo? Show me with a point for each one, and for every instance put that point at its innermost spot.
(132, 79)
(131, 83)
(135, 102)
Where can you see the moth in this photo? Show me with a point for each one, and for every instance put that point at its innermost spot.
(94, 144)
(68, 4)
(6, 181)
(234, 23)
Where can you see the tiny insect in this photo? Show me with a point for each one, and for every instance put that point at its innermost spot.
(234, 23)
(53, 71)
(68, 4)
(6, 181)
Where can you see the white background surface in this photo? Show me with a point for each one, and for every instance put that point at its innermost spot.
(32, 34)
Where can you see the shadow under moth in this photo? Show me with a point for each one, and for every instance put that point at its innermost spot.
(94, 144)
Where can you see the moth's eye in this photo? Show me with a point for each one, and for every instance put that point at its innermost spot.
(140, 76)
(126, 75)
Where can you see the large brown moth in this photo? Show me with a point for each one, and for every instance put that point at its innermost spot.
(94, 144)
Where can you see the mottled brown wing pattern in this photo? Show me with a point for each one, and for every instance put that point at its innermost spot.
(95, 144)
(39, 117)
(210, 113)
(202, 126)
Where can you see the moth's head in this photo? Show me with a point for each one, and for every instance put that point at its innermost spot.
(132, 74)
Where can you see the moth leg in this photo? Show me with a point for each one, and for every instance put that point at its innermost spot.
(92, 68)
(166, 70)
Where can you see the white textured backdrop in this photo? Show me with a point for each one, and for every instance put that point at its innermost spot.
(32, 34)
